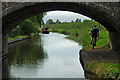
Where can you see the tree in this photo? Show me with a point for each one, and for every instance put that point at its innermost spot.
(57, 21)
(72, 21)
(78, 20)
(31, 24)
(49, 21)
(27, 27)
(38, 19)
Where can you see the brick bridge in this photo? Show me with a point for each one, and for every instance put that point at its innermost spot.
(108, 14)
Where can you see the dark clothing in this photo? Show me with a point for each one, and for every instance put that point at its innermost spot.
(46, 28)
(94, 32)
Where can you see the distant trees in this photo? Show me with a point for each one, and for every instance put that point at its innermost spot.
(72, 21)
(57, 21)
(78, 20)
(86, 20)
(49, 21)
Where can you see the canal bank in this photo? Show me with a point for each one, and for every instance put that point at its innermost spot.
(20, 39)
(102, 64)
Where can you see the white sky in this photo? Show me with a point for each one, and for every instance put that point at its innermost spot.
(63, 16)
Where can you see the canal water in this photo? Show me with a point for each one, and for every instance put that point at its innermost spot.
(45, 56)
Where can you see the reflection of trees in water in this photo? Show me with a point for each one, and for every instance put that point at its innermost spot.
(28, 52)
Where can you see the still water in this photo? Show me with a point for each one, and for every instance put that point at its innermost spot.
(45, 56)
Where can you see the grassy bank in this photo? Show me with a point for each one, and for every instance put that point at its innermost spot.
(104, 70)
(79, 32)
(21, 36)
(16, 37)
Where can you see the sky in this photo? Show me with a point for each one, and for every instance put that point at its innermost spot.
(64, 16)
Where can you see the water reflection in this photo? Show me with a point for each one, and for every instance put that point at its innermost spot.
(46, 56)
(26, 55)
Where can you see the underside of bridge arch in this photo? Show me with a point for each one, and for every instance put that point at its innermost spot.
(105, 13)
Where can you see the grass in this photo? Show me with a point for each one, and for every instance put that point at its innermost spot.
(16, 37)
(104, 69)
(21, 36)
(79, 32)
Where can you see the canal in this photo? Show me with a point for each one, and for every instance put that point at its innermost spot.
(45, 56)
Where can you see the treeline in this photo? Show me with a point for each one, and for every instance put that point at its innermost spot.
(75, 25)
(50, 21)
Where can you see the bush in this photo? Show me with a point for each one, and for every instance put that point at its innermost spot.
(27, 27)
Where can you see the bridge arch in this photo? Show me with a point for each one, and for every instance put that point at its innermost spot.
(105, 13)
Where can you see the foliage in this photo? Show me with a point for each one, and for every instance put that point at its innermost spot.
(72, 21)
(16, 37)
(78, 20)
(86, 20)
(27, 27)
(103, 69)
(57, 21)
(49, 21)
(17, 27)
(30, 25)
(38, 19)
